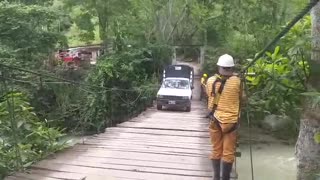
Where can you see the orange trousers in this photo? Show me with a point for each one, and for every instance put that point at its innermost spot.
(223, 144)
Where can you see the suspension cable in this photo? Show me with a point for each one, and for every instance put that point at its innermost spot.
(305, 10)
(250, 128)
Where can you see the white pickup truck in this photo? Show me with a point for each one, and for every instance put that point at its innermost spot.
(176, 88)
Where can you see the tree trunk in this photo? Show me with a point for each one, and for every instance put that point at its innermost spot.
(307, 149)
(101, 8)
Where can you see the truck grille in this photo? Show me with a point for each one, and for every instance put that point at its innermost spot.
(173, 97)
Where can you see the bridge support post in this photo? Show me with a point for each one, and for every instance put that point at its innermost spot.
(202, 53)
(174, 55)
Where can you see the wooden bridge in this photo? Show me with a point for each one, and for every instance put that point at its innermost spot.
(155, 145)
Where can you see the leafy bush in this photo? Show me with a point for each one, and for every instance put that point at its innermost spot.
(127, 86)
(276, 87)
(24, 139)
(280, 78)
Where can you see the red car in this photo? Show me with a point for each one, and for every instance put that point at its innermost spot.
(71, 55)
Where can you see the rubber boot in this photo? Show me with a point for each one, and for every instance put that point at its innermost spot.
(226, 170)
(216, 169)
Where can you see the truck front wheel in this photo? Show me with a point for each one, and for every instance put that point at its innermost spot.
(159, 107)
(188, 109)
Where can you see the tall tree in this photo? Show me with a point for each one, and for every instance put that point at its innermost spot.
(104, 10)
(28, 32)
(308, 147)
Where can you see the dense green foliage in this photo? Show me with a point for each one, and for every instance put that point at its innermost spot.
(27, 33)
(128, 86)
(24, 139)
(281, 77)
(27, 36)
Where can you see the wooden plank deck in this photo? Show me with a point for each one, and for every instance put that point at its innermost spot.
(155, 145)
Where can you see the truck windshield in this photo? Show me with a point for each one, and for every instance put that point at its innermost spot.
(176, 84)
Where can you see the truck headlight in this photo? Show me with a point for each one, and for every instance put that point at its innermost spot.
(185, 97)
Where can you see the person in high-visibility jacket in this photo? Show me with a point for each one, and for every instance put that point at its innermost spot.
(224, 116)
(204, 79)
(203, 86)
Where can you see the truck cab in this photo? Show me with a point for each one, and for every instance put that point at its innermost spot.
(176, 88)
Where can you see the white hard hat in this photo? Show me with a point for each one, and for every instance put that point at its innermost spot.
(225, 61)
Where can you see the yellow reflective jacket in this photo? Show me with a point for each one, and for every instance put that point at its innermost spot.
(229, 102)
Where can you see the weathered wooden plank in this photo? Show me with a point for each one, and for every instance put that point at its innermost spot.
(111, 173)
(61, 175)
(159, 140)
(125, 167)
(169, 122)
(39, 177)
(165, 127)
(69, 175)
(144, 147)
(162, 122)
(143, 168)
(170, 165)
(50, 175)
(152, 144)
(147, 137)
(202, 143)
(112, 151)
(155, 131)
(158, 119)
(14, 178)
(167, 118)
(193, 145)
(154, 136)
(146, 152)
(143, 156)
(151, 112)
